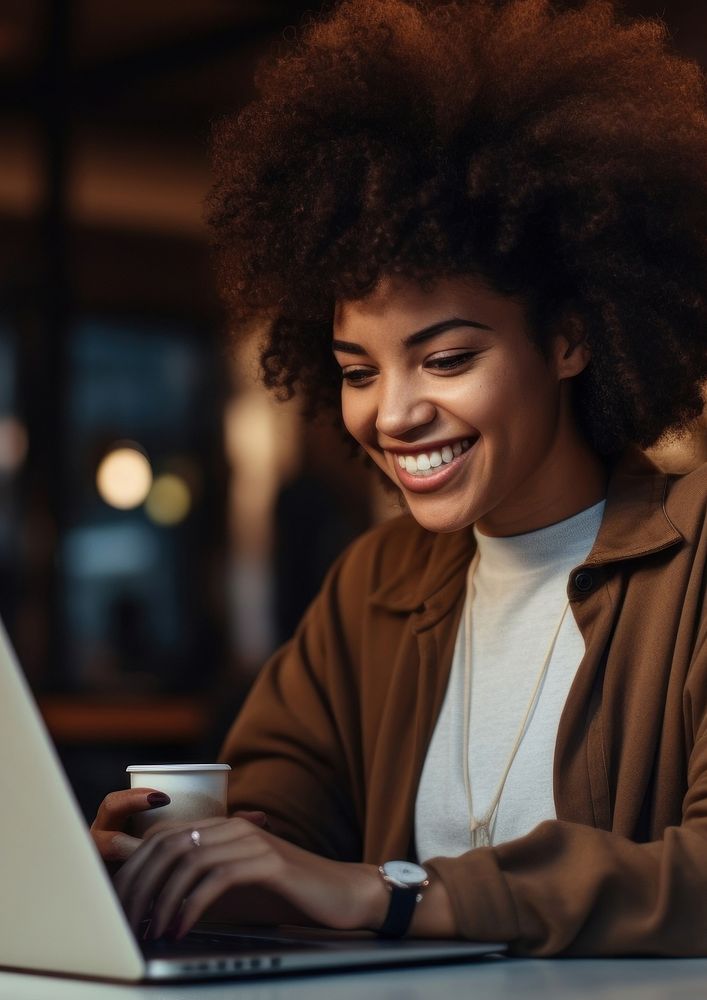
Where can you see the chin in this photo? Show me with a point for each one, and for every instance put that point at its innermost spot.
(441, 522)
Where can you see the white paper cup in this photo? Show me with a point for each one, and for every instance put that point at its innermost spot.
(196, 791)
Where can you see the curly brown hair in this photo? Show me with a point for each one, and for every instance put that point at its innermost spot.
(558, 154)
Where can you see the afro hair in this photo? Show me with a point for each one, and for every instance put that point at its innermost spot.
(559, 154)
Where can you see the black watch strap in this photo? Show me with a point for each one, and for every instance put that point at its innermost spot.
(400, 911)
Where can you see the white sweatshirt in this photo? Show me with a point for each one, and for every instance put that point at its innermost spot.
(518, 595)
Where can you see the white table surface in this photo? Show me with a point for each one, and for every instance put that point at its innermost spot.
(528, 979)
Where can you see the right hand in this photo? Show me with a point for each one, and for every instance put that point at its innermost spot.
(108, 828)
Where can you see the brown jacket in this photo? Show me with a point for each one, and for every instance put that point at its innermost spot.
(332, 739)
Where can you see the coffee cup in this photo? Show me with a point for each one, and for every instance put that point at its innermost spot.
(196, 791)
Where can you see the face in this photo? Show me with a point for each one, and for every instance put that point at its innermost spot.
(451, 399)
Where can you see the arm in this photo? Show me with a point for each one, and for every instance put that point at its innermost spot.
(293, 746)
(296, 754)
(575, 890)
(242, 873)
(564, 888)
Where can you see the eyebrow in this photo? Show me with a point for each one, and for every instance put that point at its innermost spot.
(415, 338)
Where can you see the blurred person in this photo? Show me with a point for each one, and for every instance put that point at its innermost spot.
(479, 229)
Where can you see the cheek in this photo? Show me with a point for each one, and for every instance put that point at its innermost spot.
(348, 416)
(355, 413)
(486, 403)
(516, 397)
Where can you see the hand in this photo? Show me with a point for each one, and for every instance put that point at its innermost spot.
(108, 828)
(176, 882)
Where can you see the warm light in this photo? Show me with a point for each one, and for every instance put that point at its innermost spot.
(124, 478)
(169, 500)
(13, 444)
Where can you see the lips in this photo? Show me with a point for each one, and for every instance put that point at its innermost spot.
(434, 478)
(423, 463)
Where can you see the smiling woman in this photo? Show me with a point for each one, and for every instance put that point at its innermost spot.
(476, 231)
(482, 422)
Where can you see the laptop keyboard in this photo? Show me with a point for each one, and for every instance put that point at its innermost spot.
(218, 944)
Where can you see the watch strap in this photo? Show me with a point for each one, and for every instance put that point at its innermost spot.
(400, 911)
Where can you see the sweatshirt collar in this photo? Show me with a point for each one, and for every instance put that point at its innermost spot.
(635, 523)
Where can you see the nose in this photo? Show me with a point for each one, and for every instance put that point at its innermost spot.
(402, 408)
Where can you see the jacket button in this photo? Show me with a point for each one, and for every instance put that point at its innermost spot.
(584, 581)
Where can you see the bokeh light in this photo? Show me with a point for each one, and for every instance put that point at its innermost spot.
(13, 444)
(169, 500)
(124, 477)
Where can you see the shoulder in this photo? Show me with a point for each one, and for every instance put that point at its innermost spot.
(685, 502)
(398, 566)
(345, 616)
(393, 549)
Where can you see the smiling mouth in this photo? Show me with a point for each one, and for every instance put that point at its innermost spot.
(428, 463)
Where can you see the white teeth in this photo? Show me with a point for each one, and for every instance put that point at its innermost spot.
(426, 462)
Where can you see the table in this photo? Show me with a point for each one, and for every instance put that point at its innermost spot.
(531, 979)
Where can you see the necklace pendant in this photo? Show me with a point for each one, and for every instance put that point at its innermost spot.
(480, 834)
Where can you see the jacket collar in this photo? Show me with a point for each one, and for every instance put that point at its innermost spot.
(635, 523)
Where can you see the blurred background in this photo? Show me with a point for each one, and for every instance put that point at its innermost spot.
(163, 523)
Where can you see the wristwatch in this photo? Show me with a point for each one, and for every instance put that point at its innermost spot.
(405, 880)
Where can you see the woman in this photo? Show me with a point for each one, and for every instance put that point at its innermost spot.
(483, 226)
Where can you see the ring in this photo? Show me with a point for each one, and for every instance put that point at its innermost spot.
(195, 838)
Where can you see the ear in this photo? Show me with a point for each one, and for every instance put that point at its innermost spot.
(571, 356)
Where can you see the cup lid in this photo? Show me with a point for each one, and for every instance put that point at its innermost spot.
(154, 768)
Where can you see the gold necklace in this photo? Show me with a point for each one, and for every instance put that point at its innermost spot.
(480, 829)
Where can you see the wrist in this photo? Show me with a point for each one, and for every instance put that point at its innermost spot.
(434, 917)
(375, 898)
(406, 882)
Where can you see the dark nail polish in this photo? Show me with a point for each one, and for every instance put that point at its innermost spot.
(158, 799)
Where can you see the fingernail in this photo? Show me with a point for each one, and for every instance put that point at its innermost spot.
(158, 799)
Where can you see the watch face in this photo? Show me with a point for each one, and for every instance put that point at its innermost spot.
(405, 872)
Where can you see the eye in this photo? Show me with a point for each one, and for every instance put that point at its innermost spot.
(357, 376)
(448, 362)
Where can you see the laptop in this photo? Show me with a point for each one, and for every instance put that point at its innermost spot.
(58, 910)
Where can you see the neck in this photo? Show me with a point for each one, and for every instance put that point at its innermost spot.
(571, 478)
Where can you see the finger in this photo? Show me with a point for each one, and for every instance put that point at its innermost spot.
(239, 873)
(256, 816)
(175, 825)
(142, 876)
(114, 846)
(215, 828)
(193, 868)
(150, 843)
(143, 873)
(235, 828)
(117, 807)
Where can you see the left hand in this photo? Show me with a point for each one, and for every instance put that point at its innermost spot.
(175, 882)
